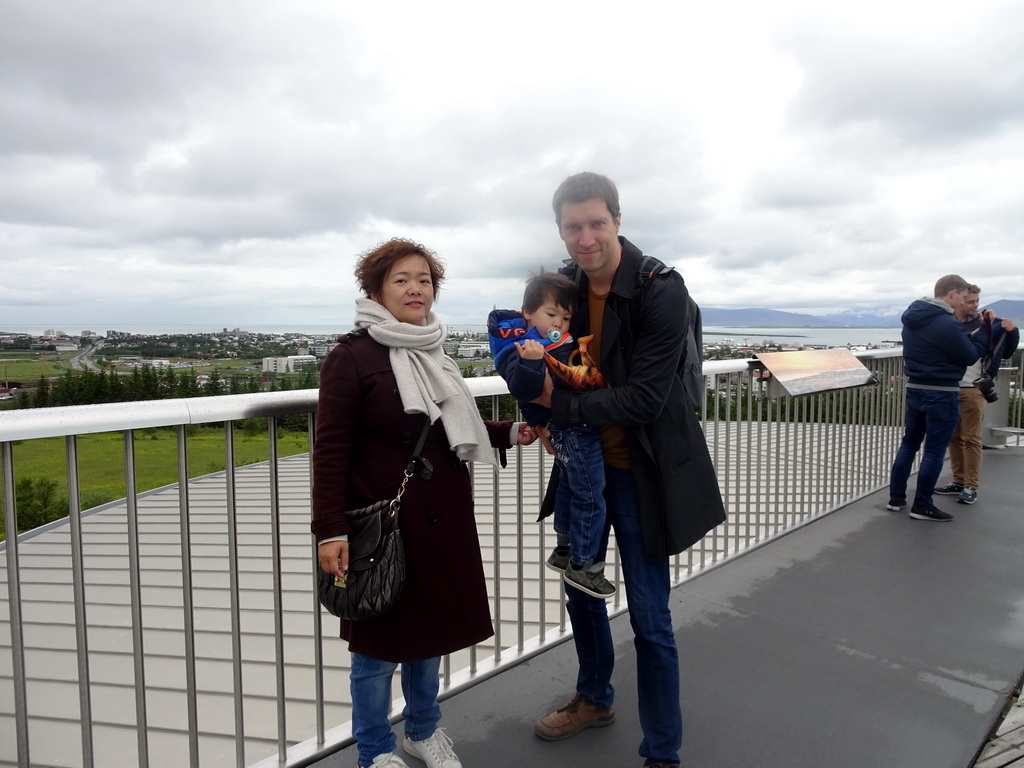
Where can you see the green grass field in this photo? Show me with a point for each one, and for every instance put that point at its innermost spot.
(101, 458)
(224, 366)
(235, 366)
(27, 367)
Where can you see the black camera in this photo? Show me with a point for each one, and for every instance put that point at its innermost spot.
(987, 387)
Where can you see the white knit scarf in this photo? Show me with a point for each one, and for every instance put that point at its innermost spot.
(428, 380)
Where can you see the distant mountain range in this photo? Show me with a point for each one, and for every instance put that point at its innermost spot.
(772, 318)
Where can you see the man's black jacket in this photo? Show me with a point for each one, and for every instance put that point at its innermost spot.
(677, 489)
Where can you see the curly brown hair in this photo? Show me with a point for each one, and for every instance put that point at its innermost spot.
(374, 266)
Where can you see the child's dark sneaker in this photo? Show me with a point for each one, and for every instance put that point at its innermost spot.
(558, 560)
(589, 578)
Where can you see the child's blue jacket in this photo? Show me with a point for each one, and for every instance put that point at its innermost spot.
(525, 378)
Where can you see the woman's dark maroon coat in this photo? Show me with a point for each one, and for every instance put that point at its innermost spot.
(363, 442)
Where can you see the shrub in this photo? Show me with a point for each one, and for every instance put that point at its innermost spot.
(38, 502)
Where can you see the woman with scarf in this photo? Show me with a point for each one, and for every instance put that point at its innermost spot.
(378, 387)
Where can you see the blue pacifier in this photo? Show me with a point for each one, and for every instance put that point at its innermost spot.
(554, 335)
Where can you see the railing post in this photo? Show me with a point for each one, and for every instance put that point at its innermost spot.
(188, 608)
(14, 601)
(135, 582)
(231, 500)
(318, 630)
(78, 588)
(275, 542)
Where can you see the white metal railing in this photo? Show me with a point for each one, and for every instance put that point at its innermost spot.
(779, 463)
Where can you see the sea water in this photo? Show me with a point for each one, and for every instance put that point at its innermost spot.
(735, 336)
(804, 336)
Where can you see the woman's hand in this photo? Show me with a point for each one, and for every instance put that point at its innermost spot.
(333, 556)
(527, 434)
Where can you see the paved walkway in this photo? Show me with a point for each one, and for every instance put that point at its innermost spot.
(865, 639)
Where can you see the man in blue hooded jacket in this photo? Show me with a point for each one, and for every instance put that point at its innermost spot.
(936, 352)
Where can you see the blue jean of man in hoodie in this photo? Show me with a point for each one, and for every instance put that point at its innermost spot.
(932, 417)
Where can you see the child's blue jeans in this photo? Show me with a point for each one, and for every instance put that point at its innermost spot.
(579, 503)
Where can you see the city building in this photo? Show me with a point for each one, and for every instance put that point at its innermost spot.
(288, 364)
(322, 350)
(473, 348)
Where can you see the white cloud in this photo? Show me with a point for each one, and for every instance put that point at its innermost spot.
(225, 161)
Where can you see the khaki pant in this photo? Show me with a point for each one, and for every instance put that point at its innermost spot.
(965, 448)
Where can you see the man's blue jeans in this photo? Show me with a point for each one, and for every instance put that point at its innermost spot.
(370, 684)
(647, 592)
(932, 416)
(579, 500)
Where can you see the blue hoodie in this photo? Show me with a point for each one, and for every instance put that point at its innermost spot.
(525, 377)
(936, 347)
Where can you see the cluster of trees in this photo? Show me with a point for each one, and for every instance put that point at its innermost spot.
(90, 387)
(41, 501)
(199, 346)
(725, 352)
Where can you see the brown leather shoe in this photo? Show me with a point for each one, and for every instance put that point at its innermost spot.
(578, 714)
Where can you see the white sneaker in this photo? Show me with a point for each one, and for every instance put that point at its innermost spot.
(435, 750)
(388, 760)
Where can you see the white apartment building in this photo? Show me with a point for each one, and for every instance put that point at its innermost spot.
(322, 350)
(471, 348)
(287, 364)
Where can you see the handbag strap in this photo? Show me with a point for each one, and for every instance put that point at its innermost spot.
(421, 441)
(396, 502)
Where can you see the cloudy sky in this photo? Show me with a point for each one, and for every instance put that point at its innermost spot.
(222, 162)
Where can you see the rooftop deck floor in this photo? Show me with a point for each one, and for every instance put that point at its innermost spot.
(863, 639)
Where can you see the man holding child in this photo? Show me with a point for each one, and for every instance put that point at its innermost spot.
(661, 491)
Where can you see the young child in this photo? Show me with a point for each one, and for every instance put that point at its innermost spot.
(526, 345)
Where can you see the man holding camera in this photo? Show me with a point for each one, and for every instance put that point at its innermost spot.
(976, 388)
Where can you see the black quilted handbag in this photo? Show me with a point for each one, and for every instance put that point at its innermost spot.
(376, 565)
(376, 558)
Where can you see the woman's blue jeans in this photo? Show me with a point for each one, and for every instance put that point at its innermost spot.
(657, 660)
(932, 416)
(370, 685)
(579, 499)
